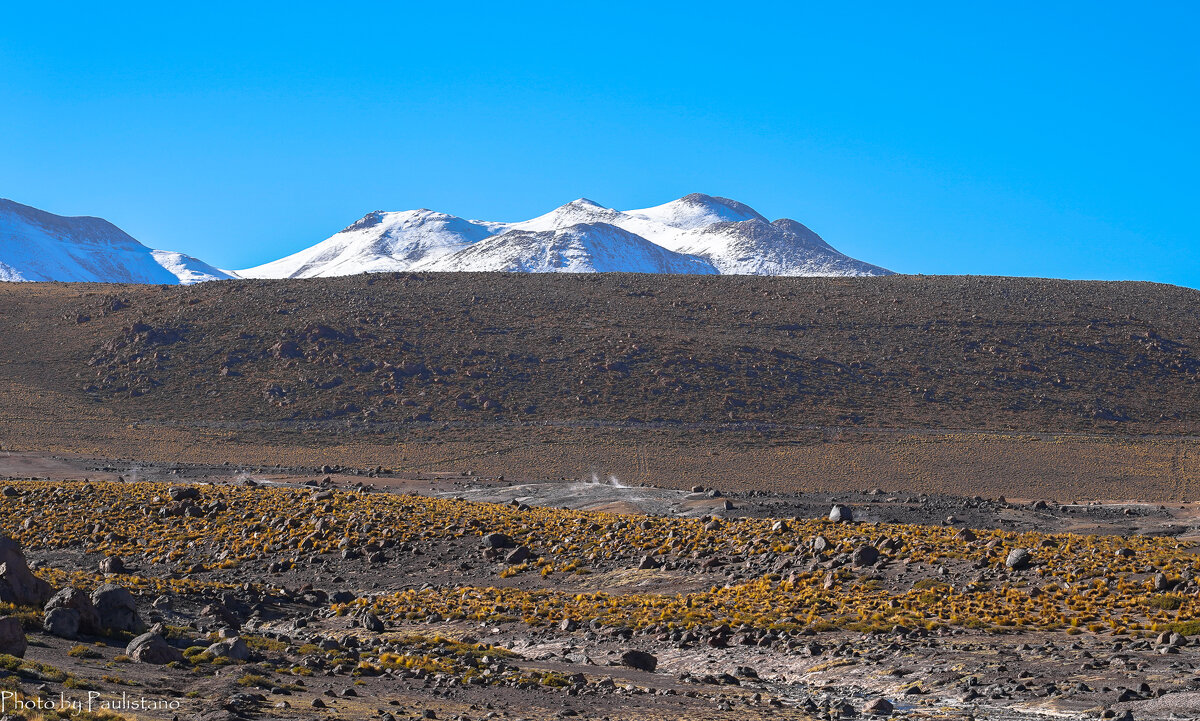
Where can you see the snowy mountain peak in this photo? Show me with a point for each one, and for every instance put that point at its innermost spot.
(37, 245)
(370, 220)
(578, 248)
(695, 234)
(380, 241)
(696, 211)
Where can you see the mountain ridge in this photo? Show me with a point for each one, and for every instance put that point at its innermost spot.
(36, 245)
(717, 234)
(695, 234)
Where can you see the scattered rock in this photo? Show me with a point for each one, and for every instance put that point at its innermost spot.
(879, 707)
(498, 540)
(112, 564)
(1018, 558)
(520, 554)
(17, 583)
(640, 660)
(841, 514)
(12, 637)
(231, 648)
(183, 493)
(865, 555)
(152, 648)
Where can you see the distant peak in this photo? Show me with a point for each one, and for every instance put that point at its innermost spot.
(585, 202)
(370, 220)
(713, 201)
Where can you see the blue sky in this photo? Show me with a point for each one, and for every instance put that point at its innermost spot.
(1015, 138)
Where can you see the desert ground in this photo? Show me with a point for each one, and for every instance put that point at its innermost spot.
(622, 497)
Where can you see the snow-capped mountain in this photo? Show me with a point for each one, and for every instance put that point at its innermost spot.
(380, 242)
(695, 234)
(36, 245)
(579, 248)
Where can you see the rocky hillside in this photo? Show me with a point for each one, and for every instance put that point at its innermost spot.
(480, 350)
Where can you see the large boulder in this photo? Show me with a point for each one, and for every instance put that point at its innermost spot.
(112, 564)
(498, 540)
(183, 493)
(1018, 558)
(152, 648)
(78, 601)
(879, 707)
(117, 609)
(865, 555)
(231, 648)
(841, 514)
(12, 637)
(640, 660)
(61, 622)
(17, 583)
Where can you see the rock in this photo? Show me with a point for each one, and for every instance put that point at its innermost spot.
(1018, 558)
(152, 648)
(841, 514)
(865, 555)
(12, 637)
(372, 623)
(77, 600)
(1161, 582)
(879, 707)
(17, 583)
(117, 609)
(498, 540)
(819, 544)
(648, 564)
(1171, 638)
(231, 648)
(966, 535)
(61, 622)
(521, 554)
(112, 564)
(640, 660)
(183, 493)
(568, 625)
(780, 527)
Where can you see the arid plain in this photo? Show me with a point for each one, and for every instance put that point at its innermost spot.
(529, 496)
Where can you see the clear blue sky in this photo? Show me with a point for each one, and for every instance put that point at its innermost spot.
(1012, 138)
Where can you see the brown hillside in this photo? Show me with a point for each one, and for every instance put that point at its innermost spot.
(635, 360)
